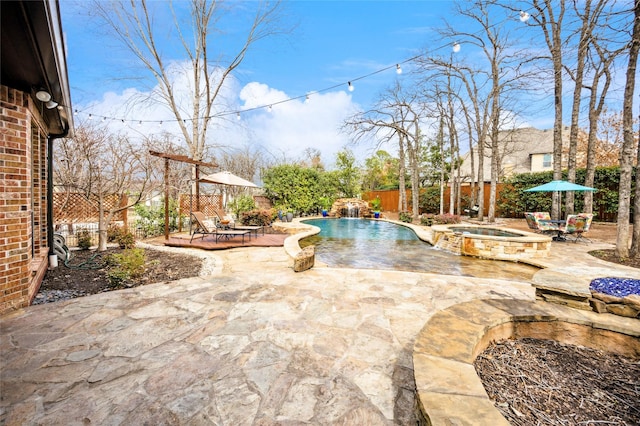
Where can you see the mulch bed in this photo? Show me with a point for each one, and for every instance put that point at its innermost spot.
(543, 382)
(87, 273)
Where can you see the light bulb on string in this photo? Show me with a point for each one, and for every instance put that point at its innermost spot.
(140, 123)
(306, 99)
(524, 16)
(398, 69)
(456, 47)
(270, 108)
(160, 124)
(90, 116)
(351, 88)
(237, 116)
(104, 119)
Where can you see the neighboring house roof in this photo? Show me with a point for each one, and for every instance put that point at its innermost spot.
(516, 148)
(33, 56)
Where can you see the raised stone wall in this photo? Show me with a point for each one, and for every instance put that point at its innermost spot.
(525, 246)
(448, 389)
(628, 306)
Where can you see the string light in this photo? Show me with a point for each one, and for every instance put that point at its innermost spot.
(456, 47)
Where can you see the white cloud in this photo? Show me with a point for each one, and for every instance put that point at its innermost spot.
(284, 132)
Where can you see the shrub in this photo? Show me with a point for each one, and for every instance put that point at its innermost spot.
(84, 239)
(376, 204)
(114, 232)
(257, 217)
(241, 204)
(125, 266)
(126, 240)
(427, 219)
(447, 218)
(405, 217)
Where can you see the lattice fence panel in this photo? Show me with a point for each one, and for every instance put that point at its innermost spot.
(74, 208)
(208, 204)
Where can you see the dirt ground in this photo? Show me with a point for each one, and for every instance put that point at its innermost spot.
(531, 382)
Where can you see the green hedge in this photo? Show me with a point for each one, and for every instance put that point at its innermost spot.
(513, 201)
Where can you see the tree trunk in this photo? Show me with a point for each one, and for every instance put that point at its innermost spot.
(402, 191)
(626, 156)
(627, 124)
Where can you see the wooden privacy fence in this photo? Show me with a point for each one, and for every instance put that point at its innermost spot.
(391, 197)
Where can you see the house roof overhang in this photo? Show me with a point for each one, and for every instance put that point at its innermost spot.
(33, 57)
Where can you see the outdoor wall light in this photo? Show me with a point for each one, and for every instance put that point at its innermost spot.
(43, 96)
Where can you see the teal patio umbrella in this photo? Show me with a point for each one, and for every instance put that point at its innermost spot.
(559, 186)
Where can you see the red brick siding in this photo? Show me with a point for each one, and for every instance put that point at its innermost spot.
(23, 154)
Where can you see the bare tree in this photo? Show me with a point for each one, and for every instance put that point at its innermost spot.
(598, 90)
(396, 115)
(548, 17)
(590, 19)
(133, 24)
(100, 165)
(626, 157)
(500, 75)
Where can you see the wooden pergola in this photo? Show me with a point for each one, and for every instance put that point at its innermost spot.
(182, 159)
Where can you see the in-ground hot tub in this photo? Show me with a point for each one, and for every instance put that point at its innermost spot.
(490, 242)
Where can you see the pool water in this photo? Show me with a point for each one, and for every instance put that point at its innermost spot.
(374, 244)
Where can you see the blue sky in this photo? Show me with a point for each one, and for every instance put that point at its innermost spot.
(333, 42)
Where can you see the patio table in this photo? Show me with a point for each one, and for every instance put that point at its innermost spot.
(560, 223)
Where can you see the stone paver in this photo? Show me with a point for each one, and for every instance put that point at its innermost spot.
(252, 343)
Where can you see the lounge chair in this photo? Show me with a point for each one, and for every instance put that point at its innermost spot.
(201, 227)
(222, 217)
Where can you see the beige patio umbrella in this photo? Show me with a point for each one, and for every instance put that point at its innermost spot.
(227, 178)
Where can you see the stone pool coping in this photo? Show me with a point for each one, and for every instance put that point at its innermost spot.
(448, 390)
(523, 247)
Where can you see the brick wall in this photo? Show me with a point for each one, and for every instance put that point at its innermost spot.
(23, 238)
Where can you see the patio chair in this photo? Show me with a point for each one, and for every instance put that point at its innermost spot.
(578, 225)
(231, 224)
(541, 222)
(203, 228)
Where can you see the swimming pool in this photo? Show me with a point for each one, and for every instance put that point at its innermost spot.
(375, 244)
